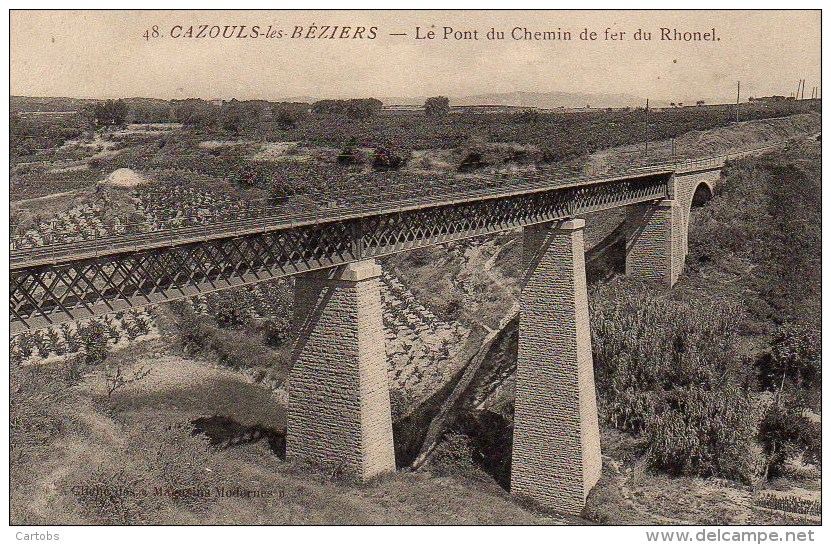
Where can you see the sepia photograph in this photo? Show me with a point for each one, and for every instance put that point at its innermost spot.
(416, 267)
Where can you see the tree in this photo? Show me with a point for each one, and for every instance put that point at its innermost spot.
(437, 106)
(699, 103)
(237, 117)
(363, 108)
(356, 108)
(196, 113)
(110, 113)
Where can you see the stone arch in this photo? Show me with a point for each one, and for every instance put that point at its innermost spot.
(703, 193)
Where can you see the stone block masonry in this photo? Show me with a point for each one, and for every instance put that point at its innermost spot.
(686, 186)
(339, 403)
(654, 242)
(556, 447)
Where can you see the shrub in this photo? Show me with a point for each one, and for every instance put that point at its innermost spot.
(93, 339)
(41, 344)
(141, 323)
(705, 433)
(230, 308)
(25, 345)
(55, 343)
(645, 345)
(73, 344)
(452, 454)
(785, 432)
(180, 460)
(275, 331)
(115, 496)
(236, 349)
(348, 156)
(794, 355)
(32, 395)
(387, 159)
(472, 161)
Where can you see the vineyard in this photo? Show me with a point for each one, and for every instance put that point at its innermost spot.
(422, 349)
(190, 178)
(53, 345)
(791, 504)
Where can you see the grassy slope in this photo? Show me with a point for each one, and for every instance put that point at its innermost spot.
(142, 437)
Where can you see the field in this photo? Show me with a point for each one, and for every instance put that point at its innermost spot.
(189, 398)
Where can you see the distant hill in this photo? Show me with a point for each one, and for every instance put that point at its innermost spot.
(526, 99)
(46, 104)
(552, 100)
(518, 98)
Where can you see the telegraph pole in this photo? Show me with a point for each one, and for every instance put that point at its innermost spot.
(738, 98)
(647, 127)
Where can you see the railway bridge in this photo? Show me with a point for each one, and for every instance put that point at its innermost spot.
(339, 405)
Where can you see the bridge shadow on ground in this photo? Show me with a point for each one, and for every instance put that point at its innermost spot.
(225, 432)
(491, 441)
(607, 257)
(410, 432)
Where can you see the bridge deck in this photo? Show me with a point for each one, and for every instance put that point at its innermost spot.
(59, 253)
(53, 284)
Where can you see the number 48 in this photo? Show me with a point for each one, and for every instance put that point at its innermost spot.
(151, 33)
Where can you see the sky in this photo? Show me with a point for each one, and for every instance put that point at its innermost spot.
(105, 54)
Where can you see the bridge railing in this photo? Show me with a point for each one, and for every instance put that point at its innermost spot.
(153, 237)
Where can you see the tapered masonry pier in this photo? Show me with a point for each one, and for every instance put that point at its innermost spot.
(339, 403)
(556, 448)
(655, 242)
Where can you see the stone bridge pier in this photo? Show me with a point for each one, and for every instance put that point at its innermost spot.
(655, 241)
(339, 403)
(556, 448)
(657, 233)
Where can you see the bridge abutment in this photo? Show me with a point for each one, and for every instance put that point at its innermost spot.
(655, 235)
(339, 403)
(556, 447)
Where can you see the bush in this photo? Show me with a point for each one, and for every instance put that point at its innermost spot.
(32, 397)
(645, 345)
(71, 339)
(785, 432)
(25, 345)
(93, 339)
(180, 460)
(794, 355)
(452, 454)
(704, 433)
(472, 161)
(236, 349)
(348, 156)
(386, 159)
(230, 308)
(115, 496)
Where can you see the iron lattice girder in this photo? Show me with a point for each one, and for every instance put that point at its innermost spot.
(49, 293)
